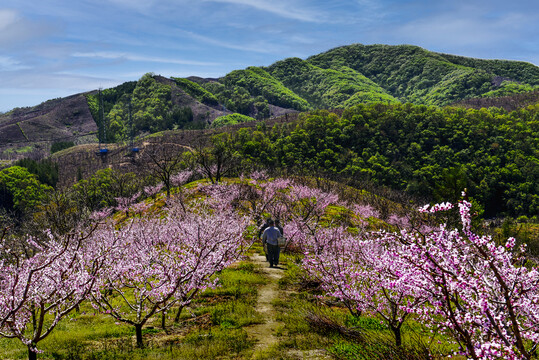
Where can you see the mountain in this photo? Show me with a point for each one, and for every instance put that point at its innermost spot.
(25, 131)
(338, 78)
(419, 76)
(353, 74)
(157, 103)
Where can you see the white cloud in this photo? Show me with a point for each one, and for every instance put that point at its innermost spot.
(285, 9)
(15, 29)
(69, 83)
(7, 18)
(9, 64)
(134, 57)
(259, 47)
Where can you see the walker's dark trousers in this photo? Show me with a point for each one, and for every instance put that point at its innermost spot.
(273, 254)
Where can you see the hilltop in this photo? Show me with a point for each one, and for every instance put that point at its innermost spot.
(339, 78)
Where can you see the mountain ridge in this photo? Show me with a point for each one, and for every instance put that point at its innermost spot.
(337, 78)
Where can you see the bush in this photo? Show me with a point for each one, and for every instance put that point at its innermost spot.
(61, 145)
(231, 119)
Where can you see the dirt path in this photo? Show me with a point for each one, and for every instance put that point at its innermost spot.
(264, 333)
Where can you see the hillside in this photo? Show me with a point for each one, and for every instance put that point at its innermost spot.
(32, 130)
(339, 78)
(419, 76)
(157, 103)
(425, 152)
(357, 73)
(509, 102)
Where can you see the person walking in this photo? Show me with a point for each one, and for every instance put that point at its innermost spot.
(269, 239)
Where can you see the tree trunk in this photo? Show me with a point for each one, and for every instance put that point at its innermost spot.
(163, 321)
(32, 355)
(34, 319)
(177, 318)
(138, 332)
(397, 333)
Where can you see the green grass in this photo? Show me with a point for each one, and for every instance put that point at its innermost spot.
(216, 343)
(231, 119)
(210, 327)
(24, 149)
(79, 331)
(339, 333)
(215, 326)
(237, 283)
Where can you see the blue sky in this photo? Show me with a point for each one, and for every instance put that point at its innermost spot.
(55, 48)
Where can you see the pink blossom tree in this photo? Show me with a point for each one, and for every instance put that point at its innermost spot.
(363, 273)
(309, 204)
(37, 292)
(305, 213)
(260, 196)
(164, 262)
(482, 294)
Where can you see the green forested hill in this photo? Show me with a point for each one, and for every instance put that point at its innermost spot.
(426, 151)
(156, 103)
(326, 88)
(339, 78)
(354, 74)
(416, 75)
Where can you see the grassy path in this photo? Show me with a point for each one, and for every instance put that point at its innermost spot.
(268, 344)
(264, 333)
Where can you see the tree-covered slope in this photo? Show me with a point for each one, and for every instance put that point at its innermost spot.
(517, 70)
(326, 88)
(424, 150)
(339, 78)
(156, 104)
(249, 91)
(416, 75)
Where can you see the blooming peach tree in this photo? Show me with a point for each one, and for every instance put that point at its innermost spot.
(37, 292)
(162, 262)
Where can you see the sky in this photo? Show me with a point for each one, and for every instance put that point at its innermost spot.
(56, 48)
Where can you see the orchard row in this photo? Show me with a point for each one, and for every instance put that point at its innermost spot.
(146, 259)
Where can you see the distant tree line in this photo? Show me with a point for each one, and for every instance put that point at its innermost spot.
(428, 151)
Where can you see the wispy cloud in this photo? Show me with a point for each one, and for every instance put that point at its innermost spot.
(35, 80)
(15, 29)
(9, 64)
(259, 47)
(286, 9)
(7, 18)
(140, 58)
(462, 30)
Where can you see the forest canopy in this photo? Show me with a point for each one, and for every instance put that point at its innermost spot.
(426, 151)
